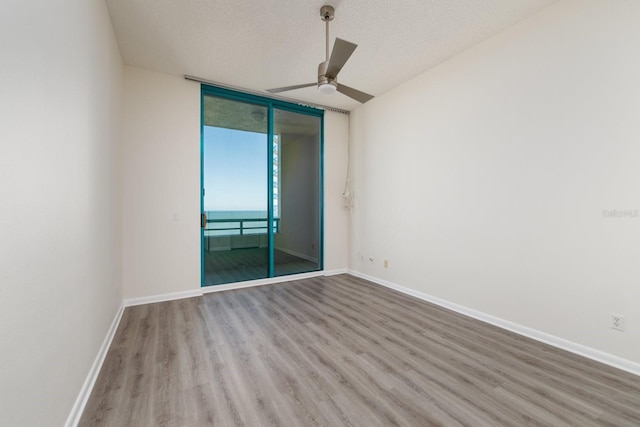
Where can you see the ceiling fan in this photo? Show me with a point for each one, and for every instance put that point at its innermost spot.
(329, 69)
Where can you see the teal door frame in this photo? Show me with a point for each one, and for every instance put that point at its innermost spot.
(270, 104)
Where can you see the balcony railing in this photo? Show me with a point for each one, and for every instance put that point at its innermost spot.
(239, 226)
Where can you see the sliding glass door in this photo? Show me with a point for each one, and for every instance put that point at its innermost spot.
(261, 188)
(297, 192)
(235, 187)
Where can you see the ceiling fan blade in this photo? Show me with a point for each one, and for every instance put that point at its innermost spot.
(341, 52)
(286, 88)
(354, 93)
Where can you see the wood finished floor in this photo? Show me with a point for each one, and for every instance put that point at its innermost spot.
(341, 351)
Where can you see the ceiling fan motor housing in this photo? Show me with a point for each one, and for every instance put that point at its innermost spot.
(322, 78)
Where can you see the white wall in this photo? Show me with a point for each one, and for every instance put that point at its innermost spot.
(60, 285)
(161, 220)
(162, 182)
(336, 218)
(483, 181)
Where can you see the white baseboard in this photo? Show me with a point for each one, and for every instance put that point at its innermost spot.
(260, 282)
(335, 272)
(130, 302)
(89, 382)
(230, 286)
(298, 254)
(582, 350)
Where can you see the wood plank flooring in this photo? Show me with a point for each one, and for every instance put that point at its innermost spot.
(341, 351)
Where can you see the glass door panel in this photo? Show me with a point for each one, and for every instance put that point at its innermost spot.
(296, 192)
(235, 191)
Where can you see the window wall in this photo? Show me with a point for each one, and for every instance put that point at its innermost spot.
(261, 187)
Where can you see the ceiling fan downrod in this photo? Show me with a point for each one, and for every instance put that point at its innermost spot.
(327, 13)
(325, 84)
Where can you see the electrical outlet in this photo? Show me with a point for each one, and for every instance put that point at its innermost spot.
(617, 322)
(386, 263)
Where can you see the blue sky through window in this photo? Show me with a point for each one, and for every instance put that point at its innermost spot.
(235, 170)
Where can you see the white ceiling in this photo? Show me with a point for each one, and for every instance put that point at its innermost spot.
(261, 44)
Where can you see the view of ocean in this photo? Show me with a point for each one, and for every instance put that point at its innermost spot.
(236, 214)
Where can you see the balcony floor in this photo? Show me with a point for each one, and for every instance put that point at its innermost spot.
(238, 265)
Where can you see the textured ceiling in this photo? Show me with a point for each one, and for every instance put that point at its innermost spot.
(258, 44)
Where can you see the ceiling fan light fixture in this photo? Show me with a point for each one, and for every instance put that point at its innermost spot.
(327, 88)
